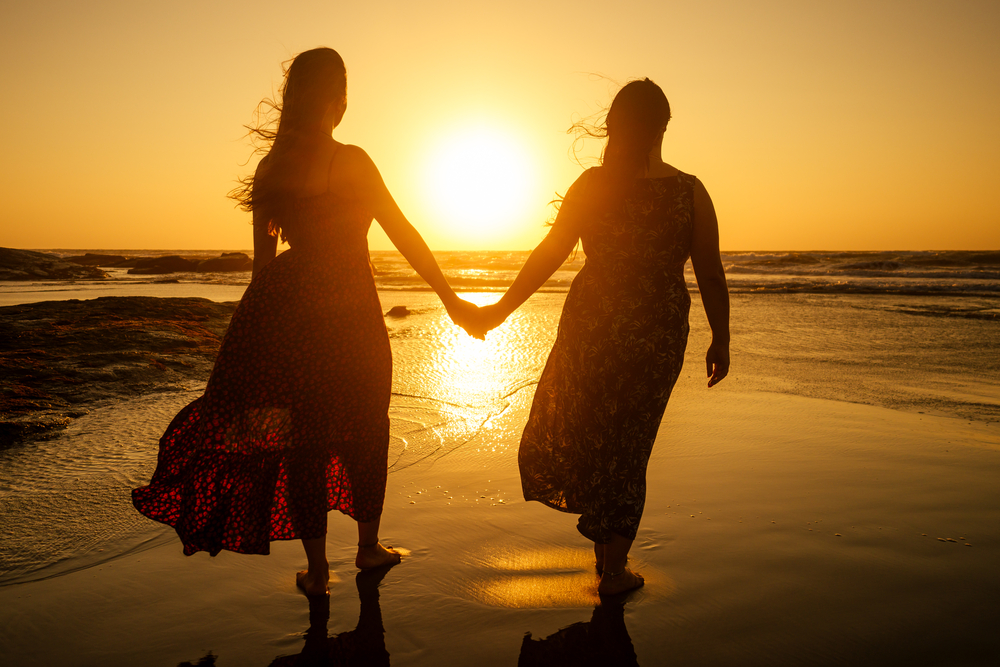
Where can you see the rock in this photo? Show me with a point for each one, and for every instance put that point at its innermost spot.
(31, 265)
(61, 358)
(228, 261)
(398, 311)
(95, 259)
(166, 264)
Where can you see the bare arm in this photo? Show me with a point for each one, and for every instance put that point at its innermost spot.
(376, 197)
(548, 256)
(265, 246)
(711, 277)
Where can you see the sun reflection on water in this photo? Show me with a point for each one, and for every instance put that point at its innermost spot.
(471, 372)
(449, 388)
(544, 577)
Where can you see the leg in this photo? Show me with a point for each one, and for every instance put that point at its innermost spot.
(599, 557)
(316, 580)
(616, 578)
(371, 554)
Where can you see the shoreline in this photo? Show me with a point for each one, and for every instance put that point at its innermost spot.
(62, 359)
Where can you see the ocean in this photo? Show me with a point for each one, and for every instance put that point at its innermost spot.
(918, 273)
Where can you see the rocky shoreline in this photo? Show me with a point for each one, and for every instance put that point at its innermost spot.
(58, 359)
(32, 265)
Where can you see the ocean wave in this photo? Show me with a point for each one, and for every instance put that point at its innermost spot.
(867, 287)
(953, 272)
(878, 265)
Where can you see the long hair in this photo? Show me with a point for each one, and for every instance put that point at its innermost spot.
(638, 113)
(312, 81)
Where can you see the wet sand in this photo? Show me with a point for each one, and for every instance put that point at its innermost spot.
(779, 530)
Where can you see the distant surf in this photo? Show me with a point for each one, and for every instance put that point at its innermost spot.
(951, 272)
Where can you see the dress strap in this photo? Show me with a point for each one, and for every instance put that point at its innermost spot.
(329, 169)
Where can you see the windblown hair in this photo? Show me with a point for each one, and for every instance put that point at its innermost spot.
(639, 112)
(312, 80)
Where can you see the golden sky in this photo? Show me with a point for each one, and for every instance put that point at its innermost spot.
(814, 125)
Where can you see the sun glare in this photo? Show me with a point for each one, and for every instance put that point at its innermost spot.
(478, 181)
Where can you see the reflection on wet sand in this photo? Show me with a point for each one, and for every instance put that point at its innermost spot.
(604, 640)
(545, 577)
(364, 645)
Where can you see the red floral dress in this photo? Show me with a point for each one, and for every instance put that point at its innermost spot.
(617, 355)
(294, 420)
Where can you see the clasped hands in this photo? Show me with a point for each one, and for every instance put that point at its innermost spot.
(476, 320)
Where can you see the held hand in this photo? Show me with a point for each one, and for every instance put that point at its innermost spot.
(492, 316)
(717, 362)
(466, 315)
(484, 320)
(475, 320)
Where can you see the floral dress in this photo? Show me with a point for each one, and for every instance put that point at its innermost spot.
(617, 355)
(294, 420)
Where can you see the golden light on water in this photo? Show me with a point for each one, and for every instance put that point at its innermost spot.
(478, 181)
(449, 386)
(544, 577)
(547, 577)
(470, 372)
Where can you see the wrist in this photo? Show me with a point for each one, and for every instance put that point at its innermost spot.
(448, 297)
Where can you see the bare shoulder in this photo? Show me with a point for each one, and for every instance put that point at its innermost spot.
(350, 155)
(661, 170)
(351, 164)
(701, 195)
(704, 209)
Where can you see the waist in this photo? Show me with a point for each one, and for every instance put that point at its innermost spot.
(327, 241)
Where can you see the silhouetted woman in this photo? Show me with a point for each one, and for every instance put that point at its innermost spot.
(623, 329)
(294, 421)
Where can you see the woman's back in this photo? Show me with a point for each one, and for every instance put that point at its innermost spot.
(309, 192)
(641, 245)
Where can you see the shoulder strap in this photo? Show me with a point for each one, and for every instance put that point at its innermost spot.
(329, 169)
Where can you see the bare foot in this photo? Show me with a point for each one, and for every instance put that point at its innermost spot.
(313, 585)
(613, 584)
(599, 557)
(373, 556)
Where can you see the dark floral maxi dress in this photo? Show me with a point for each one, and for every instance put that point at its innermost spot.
(617, 355)
(294, 420)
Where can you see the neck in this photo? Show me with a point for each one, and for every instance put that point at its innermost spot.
(656, 153)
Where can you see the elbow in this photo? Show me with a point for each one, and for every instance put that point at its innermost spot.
(713, 277)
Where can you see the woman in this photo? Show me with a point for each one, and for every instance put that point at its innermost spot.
(294, 421)
(623, 329)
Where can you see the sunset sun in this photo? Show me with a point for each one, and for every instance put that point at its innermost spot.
(477, 181)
